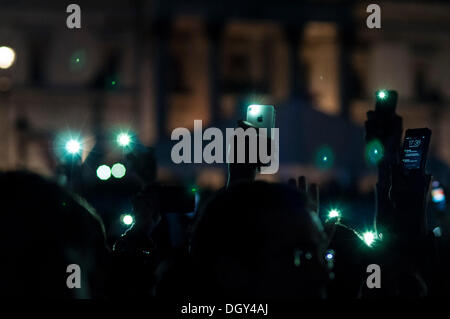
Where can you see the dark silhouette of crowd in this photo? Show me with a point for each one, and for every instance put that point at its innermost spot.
(251, 239)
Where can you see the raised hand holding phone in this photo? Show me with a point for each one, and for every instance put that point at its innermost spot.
(386, 102)
(415, 150)
(262, 116)
(258, 117)
(384, 125)
(411, 184)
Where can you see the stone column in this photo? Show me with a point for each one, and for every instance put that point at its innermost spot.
(215, 32)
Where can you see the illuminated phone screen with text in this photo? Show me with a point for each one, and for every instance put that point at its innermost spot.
(413, 151)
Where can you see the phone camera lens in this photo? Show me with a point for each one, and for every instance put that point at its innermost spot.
(259, 119)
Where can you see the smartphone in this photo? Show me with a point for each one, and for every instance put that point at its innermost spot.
(386, 101)
(415, 149)
(438, 196)
(262, 116)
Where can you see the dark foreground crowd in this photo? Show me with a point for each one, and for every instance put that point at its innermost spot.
(251, 239)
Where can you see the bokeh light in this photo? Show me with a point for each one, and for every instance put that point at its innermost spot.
(324, 158)
(437, 231)
(103, 172)
(374, 152)
(7, 57)
(297, 260)
(118, 170)
(112, 82)
(77, 60)
(437, 195)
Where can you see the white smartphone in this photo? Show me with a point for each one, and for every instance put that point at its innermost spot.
(262, 116)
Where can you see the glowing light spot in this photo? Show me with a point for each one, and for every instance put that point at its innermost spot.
(77, 60)
(118, 170)
(437, 232)
(437, 195)
(369, 238)
(297, 260)
(324, 157)
(7, 57)
(374, 152)
(127, 219)
(382, 94)
(254, 109)
(73, 146)
(334, 213)
(329, 257)
(103, 172)
(123, 139)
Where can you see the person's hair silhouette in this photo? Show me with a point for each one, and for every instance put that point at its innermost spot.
(46, 230)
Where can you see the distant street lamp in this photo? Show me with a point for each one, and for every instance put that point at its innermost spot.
(7, 57)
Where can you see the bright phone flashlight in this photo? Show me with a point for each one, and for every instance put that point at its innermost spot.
(369, 238)
(254, 109)
(124, 139)
(382, 94)
(329, 255)
(73, 146)
(334, 213)
(127, 219)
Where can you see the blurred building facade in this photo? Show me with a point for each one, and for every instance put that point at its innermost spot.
(152, 66)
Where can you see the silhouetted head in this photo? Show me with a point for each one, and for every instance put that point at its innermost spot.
(45, 230)
(259, 240)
